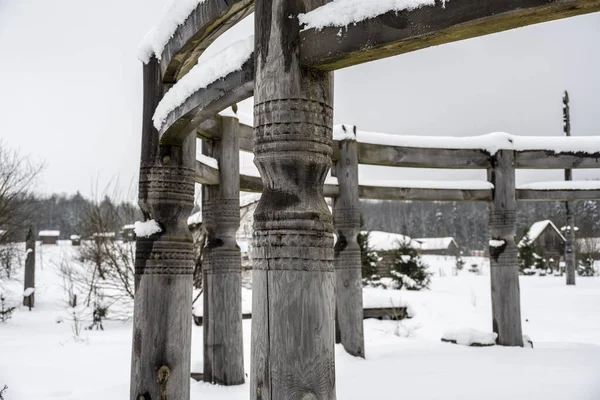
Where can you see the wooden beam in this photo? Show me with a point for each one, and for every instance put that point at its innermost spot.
(394, 33)
(545, 159)
(29, 279)
(557, 195)
(207, 102)
(210, 130)
(392, 193)
(205, 24)
(206, 175)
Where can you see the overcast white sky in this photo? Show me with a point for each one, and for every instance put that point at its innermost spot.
(70, 88)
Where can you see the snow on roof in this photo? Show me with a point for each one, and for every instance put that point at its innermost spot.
(563, 185)
(345, 12)
(203, 74)
(195, 218)
(174, 14)
(440, 243)
(49, 233)
(385, 241)
(537, 228)
(74, 237)
(491, 143)
(129, 226)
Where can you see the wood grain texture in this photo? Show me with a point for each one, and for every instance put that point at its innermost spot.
(394, 33)
(29, 279)
(164, 262)
(222, 263)
(211, 130)
(504, 270)
(348, 272)
(557, 195)
(544, 159)
(293, 326)
(204, 25)
(391, 193)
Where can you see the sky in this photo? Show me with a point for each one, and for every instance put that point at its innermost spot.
(70, 89)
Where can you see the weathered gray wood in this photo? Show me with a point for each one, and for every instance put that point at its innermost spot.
(348, 272)
(207, 102)
(164, 262)
(392, 193)
(206, 175)
(557, 195)
(205, 24)
(544, 159)
(211, 130)
(29, 280)
(397, 156)
(293, 274)
(394, 33)
(570, 257)
(222, 266)
(504, 270)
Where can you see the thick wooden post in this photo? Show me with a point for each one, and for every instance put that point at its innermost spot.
(222, 267)
(570, 258)
(29, 281)
(164, 262)
(293, 276)
(504, 269)
(348, 272)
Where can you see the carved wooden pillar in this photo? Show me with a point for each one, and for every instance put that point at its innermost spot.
(164, 262)
(293, 275)
(348, 272)
(504, 269)
(222, 267)
(570, 256)
(29, 281)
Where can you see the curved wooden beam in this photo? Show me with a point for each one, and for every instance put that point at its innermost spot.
(394, 33)
(207, 102)
(205, 24)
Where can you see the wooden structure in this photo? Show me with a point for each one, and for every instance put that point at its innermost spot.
(294, 257)
(439, 246)
(570, 259)
(546, 236)
(49, 236)
(29, 280)
(75, 240)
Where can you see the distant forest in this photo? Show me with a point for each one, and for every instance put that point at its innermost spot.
(467, 222)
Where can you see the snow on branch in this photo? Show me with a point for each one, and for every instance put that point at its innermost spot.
(345, 12)
(175, 14)
(204, 73)
(562, 185)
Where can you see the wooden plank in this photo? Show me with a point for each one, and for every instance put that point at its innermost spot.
(164, 262)
(348, 271)
(205, 24)
(394, 33)
(206, 175)
(293, 232)
(391, 193)
(29, 279)
(557, 195)
(210, 129)
(207, 102)
(397, 156)
(504, 270)
(544, 159)
(222, 266)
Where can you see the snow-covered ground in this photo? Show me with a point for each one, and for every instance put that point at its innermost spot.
(39, 359)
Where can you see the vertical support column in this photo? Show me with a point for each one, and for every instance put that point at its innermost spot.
(164, 262)
(293, 276)
(29, 281)
(348, 272)
(222, 267)
(504, 269)
(570, 258)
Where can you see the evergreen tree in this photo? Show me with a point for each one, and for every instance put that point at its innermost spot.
(408, 269)
(5, 311)
(526, 254)
(460, 262)
(586, 265)
(369, 260)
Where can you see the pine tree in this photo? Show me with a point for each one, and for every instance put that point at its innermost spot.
(5, 311)
(526, 254)
(408, 269)
(369, 260)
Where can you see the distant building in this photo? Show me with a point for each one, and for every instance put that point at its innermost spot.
(49, 236)
(385, 244)
(128, 233)
(442, 246)
(104, 236)
(75, 240)
(547, 237)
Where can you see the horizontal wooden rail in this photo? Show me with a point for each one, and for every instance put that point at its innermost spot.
(424, 194)
(544, 159)
(205, 24)
(557, 195)
(394, 33)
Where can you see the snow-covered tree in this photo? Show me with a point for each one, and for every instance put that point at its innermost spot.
(585, 266)
(408, 268)
(526, 254)
(369, 259)
(460, 262)
(5, 311)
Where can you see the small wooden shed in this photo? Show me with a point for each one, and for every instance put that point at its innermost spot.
(128, 233)
(49, 236)
(75, 240)
(440, 246)
(546, 236)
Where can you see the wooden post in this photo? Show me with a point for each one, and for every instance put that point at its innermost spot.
(348, 272)
(29, 281)
(570, 257)
(164, 262)
(504, 269)
(293, 276)
(222, 267)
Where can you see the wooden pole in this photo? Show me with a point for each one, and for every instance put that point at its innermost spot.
(293, 276)
(29, 281)
(222, 268)
(164, 262)
(570, 256)
(348, 272)
(504, 269)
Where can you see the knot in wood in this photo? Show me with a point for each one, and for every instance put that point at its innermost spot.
(163, 374)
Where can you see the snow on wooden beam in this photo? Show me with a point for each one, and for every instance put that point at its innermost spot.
(394, 33)
(545, 159)
(559, 191)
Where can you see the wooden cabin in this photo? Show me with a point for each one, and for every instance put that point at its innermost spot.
(547, 237)
(385, 244)
(49, 236)
(75, 240)
(128, 233)
(439, 246)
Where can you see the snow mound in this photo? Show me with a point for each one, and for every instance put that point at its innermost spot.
(470, 337)
(147, 228)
